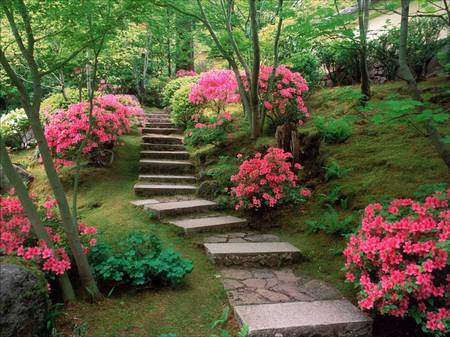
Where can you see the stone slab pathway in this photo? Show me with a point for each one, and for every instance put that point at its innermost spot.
(265, 295)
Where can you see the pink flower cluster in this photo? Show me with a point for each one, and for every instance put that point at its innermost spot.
(265, 181)
(284, 101)
(184, 73)
(17, 238)
(215, 88)
(65, 130)
(400, 260)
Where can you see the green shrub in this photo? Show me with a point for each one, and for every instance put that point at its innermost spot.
(334, 170)
(57, 100)
(15, 129)
(182, 109)
(335, 197)
(214, 132)
(308, 65)
(172, 86)
(332, 224)
(139, 260)
(333, 130)
(155, 87)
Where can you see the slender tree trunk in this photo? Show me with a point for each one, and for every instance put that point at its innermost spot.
(405, 73)
(33, 215)
(363, 20)
(254, 98)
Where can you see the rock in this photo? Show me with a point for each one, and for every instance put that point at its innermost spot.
(24, 301)
(208, 189)
(5, 185)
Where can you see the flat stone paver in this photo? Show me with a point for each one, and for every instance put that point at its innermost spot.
(177, 207)
(241, 237)
(158, 189)
(333, 318)
(144, 202)
(167, 178)
(252, 253)
(209, 223)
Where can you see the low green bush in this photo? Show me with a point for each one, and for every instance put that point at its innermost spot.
(333, 130)
(308, 65)
(139, 260)
(332, 224)
(334, 170)
(57, 100)
(15, 129)
(215, 132)
(172, 86)
(182, 109)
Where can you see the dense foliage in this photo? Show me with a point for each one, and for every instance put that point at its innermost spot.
(172, 86)
(399, 260)
(15, 129)
(138, 260)
(216, 131)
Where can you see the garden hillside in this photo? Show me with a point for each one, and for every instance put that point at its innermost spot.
(232, 168)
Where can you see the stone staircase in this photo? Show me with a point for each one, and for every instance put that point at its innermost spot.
(264, 292)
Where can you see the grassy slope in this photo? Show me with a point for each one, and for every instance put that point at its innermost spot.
(384, 161)
(104, 203)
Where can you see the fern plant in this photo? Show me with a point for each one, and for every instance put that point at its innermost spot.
(334, 170)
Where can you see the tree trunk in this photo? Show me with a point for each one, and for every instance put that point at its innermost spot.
(405, 73)
(363, 20)
(287, 139)
(70, 227)
(35, 220)
(256, 58)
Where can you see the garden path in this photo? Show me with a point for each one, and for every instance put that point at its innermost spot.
(264, 292)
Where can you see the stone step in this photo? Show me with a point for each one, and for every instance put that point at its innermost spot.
(252, 253)
(161, 131)
(162, 147)
(165, 166)
(332, 318)
(174, 179)
(147, 189)
(144, 202)
(160, 125)
(162, 139)
(209, 223)
(179, 155)
(180, 207)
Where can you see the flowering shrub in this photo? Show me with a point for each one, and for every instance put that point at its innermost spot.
(215, 132)
(15, 129)
(215, 89)
(17, 238)
(57, 100)
(267, 181)
(185, 73)
(399, 261)
(283, 102)
(65, 130)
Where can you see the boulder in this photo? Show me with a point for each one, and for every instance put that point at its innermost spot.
(24, 301)
(5, 185)
(208, 189)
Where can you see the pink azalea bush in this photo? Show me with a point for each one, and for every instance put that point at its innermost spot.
(17, 238)
(215, 89)
(399, 260)
(65, 130)
(264, 182)
(185, 73)
(283, 102)
(216, 131)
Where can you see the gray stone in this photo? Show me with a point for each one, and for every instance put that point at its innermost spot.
(237, 274)
(177, 155)
(320, 290)
(262, 238)
(24, 301)
(154, 166)
(174, 179)
(5, 185)
(286, 275)
(215, 239)
(208, 189)
(273, 296)
(263, 273)
(255, 283)
(144, 202)
(229, 284)
(149, 189)
(209, 223)
(336, 318)
(178, 207)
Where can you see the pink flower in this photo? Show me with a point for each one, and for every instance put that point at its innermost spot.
(306, 192)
